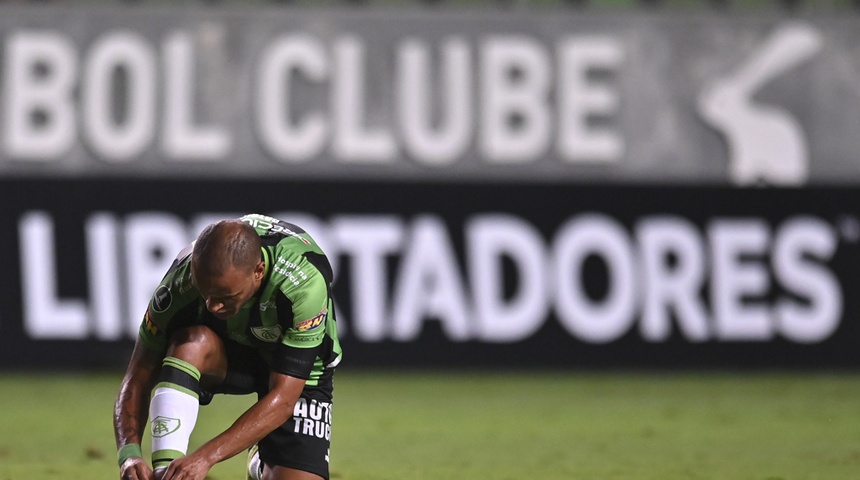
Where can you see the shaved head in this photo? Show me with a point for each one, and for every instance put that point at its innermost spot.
(225, 244)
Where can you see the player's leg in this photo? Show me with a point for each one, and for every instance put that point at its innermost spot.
(202, 347)
(299, 449)
(195, 356)
(285, 473)
(256, 470)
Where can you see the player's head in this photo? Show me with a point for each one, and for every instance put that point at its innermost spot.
(226, 266)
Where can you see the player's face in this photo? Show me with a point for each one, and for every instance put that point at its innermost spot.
(224, 295)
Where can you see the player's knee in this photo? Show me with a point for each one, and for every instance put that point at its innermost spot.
(197, 335)
(197, 345)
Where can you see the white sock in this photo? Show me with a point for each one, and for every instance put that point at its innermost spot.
(255, 466)
(173, 414)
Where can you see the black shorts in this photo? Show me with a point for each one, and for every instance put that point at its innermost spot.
(302, 442)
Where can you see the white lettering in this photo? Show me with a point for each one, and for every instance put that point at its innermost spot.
(489, 239)
(45, 315)
(735, 280)
(515, 83)
(507, 99)
(152, 241)
(429, 285)
(739, 282)
(673, 273)
(105, 290)
(39, 115)
(368, 240)
(580, 99)
(301, 408)
(599, 320)
(448, 141)
(285, 139)
(354, 141)
(119, 139)
(818, 317)
(181, 137)
(308, 428)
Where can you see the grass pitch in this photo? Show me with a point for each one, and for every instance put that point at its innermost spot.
(492, 426)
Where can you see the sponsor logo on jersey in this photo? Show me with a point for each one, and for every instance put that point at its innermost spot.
(184, 284)
(313, 322)
(272, 225)
(267, 305)
(267, 334)
(151, 327)
(312, 418)
(162, 299)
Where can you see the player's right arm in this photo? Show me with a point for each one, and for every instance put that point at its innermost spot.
(131, 410)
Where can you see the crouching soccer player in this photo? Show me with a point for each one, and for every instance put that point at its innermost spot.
(247, 308)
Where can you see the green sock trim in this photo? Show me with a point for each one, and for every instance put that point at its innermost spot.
(132, 450)
(176, 387)
(182, 366)
(162, 458)
(179, 375)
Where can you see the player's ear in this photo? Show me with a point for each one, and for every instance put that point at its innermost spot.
(259, 270)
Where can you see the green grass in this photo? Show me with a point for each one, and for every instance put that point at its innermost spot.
(494, 426)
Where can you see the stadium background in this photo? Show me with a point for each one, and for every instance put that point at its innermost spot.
(537, 184)
(524, 200)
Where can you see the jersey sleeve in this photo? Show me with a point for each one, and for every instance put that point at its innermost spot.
(173, 298)
(153, 336)
(301, 342)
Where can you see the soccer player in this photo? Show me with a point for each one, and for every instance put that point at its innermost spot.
(247, 308)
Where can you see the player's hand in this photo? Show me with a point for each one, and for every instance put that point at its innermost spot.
(192, 467)
(135, 469)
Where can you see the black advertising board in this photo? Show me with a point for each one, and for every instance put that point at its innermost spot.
(462, 275)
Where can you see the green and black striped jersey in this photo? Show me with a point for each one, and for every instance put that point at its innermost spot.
(290, 320)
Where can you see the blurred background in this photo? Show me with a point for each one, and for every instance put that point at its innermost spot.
(537, 184)
(643, 208)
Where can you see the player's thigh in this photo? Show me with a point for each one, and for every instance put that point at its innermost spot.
(285, 473)
(247, 371)
(303, 442)
(289, 454)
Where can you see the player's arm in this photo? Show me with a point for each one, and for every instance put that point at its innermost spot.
(292, 364)
(291, 367)
(131, 410)
(270, 412)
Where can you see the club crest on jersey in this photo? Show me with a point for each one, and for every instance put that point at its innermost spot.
(267, 334)
(162, 299)
(313, 322)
